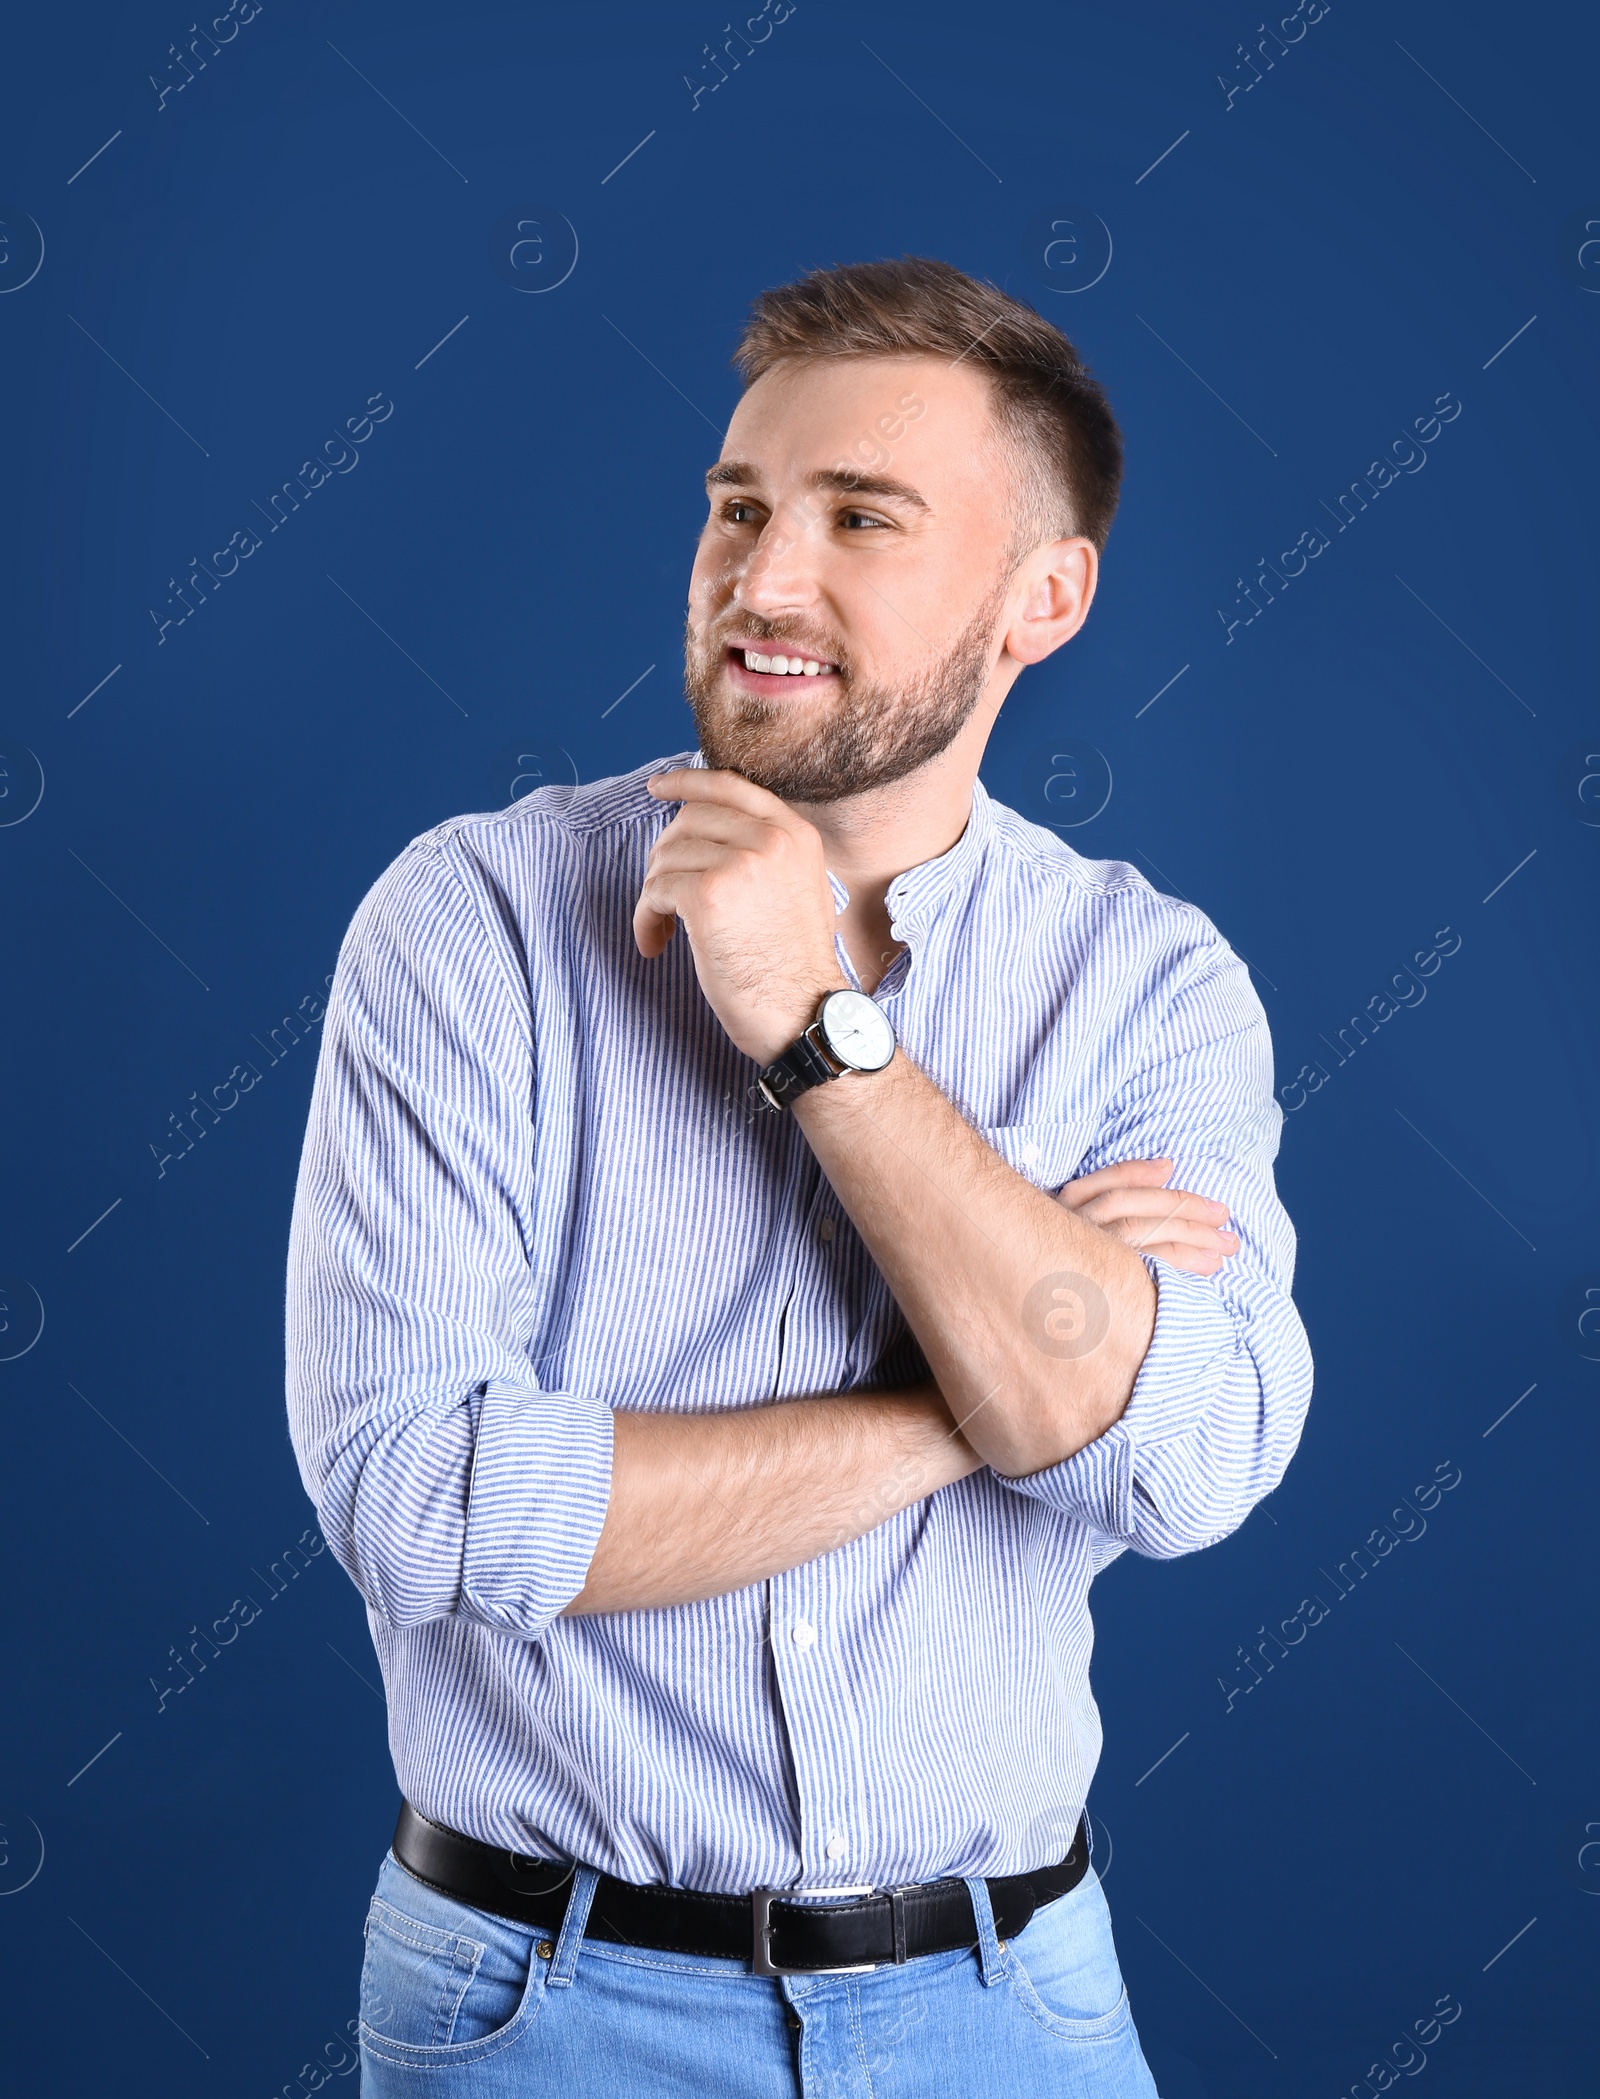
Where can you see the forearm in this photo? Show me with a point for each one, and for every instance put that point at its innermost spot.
(993, 1275)
(702, 1504)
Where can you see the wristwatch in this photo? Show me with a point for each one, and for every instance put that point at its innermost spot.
(849, 1034)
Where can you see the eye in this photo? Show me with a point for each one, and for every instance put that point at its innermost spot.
(862, 521)
(738, 512)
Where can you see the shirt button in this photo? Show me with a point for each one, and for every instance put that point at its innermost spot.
(1030, 1154)
(825, 1230)
(837, 1847)
(804, 1634)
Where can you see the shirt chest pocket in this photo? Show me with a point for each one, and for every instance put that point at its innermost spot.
(1046, 1153)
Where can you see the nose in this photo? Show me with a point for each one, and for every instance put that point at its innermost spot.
(781, 574)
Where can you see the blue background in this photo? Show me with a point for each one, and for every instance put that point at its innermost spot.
(1395, 746)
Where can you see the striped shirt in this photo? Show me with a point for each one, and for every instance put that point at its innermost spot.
(535, 1187)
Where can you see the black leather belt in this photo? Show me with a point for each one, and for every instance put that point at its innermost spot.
(855, 1928)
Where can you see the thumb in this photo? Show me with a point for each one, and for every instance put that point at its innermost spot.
(652, 930)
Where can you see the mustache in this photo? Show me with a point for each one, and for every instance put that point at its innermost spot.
(717, 637)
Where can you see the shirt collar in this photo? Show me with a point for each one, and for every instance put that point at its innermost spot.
(916, 897)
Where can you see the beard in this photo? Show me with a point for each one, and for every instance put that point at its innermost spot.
(859, 737)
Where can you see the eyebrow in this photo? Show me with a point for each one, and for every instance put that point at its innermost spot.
(738, 473)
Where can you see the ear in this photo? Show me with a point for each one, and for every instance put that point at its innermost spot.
(1051, 598)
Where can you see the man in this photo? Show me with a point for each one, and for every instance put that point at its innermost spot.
(744, 1286)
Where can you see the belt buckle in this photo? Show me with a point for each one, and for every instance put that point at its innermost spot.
(761, 1901)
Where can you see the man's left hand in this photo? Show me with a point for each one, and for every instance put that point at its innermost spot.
(1134, 1203)
(746, 877)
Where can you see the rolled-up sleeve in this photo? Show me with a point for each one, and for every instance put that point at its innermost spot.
(1220, 1400)
(447, 1480)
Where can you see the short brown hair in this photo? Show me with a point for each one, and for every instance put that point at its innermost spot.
(1047, 402)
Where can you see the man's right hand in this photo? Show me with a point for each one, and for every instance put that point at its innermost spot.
(1133, 1202)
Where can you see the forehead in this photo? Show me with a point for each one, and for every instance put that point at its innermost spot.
(918, 418)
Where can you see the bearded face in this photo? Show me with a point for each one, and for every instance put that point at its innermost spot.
(827, 735)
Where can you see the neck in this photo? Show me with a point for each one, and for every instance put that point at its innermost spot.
(871, 838)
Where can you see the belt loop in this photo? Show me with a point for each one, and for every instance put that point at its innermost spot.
(897, 1918)
(990, 1958)
(584, 1882)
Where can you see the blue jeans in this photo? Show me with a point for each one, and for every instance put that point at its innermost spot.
(458, 2004)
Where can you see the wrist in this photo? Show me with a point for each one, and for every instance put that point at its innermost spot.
(782, 1033)
(848, 1033)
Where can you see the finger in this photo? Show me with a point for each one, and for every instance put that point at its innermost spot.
(652, 929)
(1143, 1237)
(701, 785)
(1152, 1203)
(670, 892)
(716, 820)
(688, 855)
(1130, 1173)
(1192, 1260)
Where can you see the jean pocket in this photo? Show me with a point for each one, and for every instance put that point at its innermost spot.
(442, 1983)
(1064, 1969)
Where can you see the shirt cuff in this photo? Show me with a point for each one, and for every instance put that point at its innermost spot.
(534, 1452)
(1183, 1369)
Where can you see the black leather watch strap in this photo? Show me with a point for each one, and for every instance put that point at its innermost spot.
(802, 1066)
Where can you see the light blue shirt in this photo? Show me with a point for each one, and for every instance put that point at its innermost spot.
(534, 1188)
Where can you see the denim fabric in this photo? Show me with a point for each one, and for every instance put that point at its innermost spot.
(464, 2005)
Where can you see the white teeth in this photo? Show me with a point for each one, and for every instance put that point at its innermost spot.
(784, 666)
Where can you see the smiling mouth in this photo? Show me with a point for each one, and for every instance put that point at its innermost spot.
(758, 670)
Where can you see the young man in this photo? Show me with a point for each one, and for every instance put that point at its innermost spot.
(743, 1288)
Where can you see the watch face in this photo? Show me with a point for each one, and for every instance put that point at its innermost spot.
(856, 1031)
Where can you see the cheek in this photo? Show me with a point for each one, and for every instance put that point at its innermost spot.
(716, 565)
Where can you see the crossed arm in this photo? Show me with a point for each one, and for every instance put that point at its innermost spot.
(424, 1494)
(1034, 1313)
(702, 1504)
